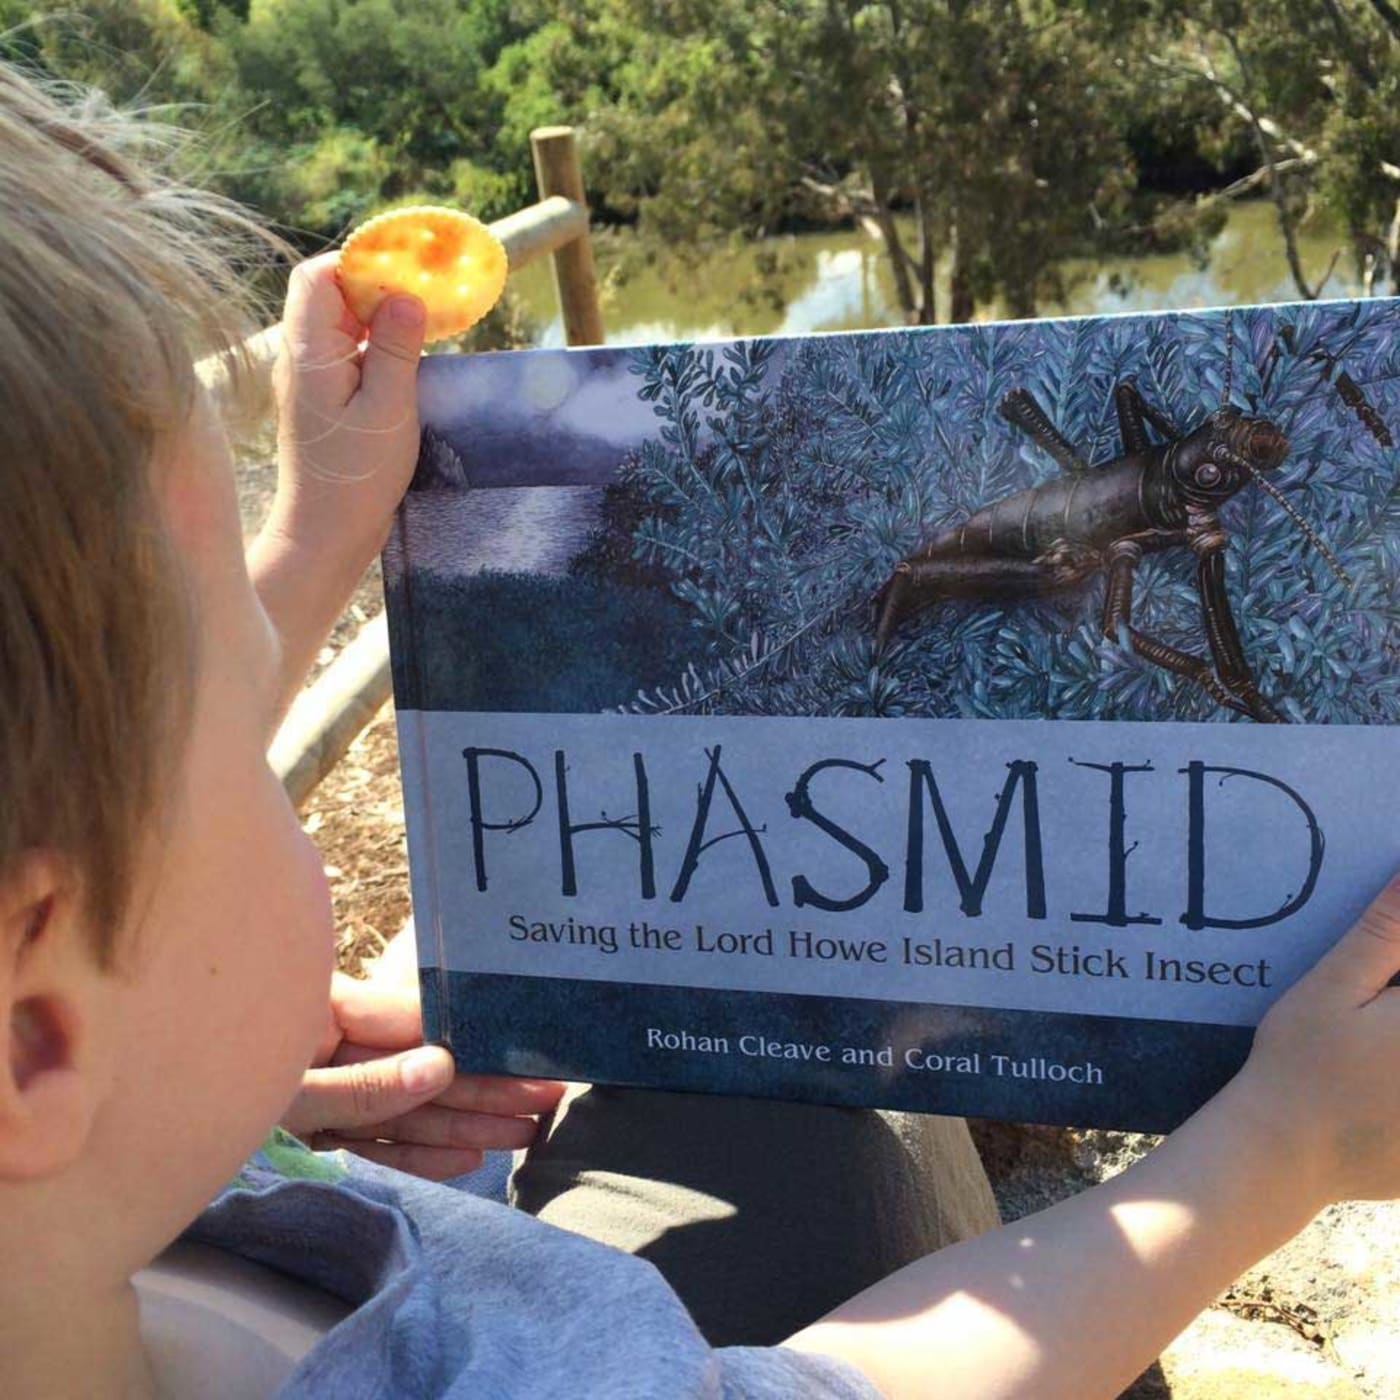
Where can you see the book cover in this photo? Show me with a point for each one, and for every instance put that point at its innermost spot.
(989, 719)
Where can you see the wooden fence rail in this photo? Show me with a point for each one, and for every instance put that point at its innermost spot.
(326, 718)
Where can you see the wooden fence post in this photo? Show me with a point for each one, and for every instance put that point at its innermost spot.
(557, 172)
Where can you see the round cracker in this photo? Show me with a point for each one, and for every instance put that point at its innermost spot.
(450, 261)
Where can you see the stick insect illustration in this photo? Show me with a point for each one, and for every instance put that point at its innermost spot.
(1104, 518)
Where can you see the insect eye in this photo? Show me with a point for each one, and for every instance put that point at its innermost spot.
(1207, 474)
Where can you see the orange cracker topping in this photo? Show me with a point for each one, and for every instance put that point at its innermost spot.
(451, 262)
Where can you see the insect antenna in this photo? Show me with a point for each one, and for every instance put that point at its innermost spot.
(1229, 357)
(1314, 538)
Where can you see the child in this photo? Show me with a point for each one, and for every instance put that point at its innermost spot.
(165, 940)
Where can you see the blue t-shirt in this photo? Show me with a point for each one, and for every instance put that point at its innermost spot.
(456, 1296)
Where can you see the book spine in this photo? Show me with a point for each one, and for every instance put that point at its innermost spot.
(413, 747)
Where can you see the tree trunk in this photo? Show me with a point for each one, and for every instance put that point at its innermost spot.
(960, 302)
(1347, 42)
(1389, 15)
(894, 249)
(925, 312)
(1392, 249)
(1020, 304)
(1276, 190)
(928, 262)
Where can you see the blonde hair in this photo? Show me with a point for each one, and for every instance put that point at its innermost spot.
(113, 280)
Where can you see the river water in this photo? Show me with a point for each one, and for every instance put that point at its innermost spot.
(841, 281)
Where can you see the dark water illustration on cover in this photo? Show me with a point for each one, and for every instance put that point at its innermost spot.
(989, 719)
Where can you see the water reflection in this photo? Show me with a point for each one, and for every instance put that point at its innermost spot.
(501, 529)
(840, 294)
(841, 281)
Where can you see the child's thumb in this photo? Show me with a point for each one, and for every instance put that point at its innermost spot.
(390, 371)
(1367, 956)
(372, 1091)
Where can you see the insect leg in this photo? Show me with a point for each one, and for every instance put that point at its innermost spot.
(1020, 409)
(1131, 424)
(1158, 419)
(1123, 558)
(891, 604)
(1230, 663)
(919, 582)
(1134, 412)
(1355, 400)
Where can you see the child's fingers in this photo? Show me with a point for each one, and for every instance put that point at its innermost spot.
(317, 327)
(434, 1126)
(1368, 954)
(501, 1096)
(496, 1095)
(383, 1015)
(389, 376)
(431, 1163)
(369, 1091)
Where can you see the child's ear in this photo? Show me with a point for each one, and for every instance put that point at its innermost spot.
(48, 1097)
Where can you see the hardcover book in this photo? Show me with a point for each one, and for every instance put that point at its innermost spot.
(990, 719)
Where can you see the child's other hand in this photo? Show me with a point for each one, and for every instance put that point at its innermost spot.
(347, 436)
(378, 1091)
(1325, 1068)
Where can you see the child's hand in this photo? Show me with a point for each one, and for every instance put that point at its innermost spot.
(347, 434)
(1325, 1068)
(377, 1090)
(347, 437)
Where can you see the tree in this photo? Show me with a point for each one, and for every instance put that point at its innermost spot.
(1314, 85)
(357, 103)
(999, 124)
(983, 141)
(141, 53)
(991, 120)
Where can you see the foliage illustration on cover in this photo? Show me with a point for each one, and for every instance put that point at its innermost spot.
(785, 486)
